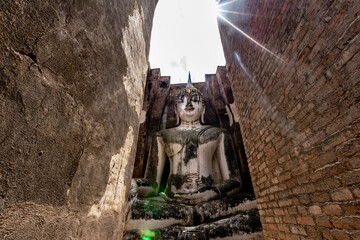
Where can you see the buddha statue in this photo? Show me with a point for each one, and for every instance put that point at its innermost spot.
(202, 159)
(203, 176)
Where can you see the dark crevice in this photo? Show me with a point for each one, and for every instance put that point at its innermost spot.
(30, 55)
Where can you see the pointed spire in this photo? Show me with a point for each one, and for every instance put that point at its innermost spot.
(189, 89)
(189, 83)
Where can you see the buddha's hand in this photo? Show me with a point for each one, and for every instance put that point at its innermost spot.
(143, 187)
(133, 189)
(203, 195)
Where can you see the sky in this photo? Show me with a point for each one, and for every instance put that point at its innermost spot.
(185, 37)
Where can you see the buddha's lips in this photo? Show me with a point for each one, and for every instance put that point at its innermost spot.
(189, 108)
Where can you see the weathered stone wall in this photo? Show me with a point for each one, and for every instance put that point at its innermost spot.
(72, 77)
(299, 112)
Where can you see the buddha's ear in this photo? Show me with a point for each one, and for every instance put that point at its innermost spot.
(202, 115)
(177, 116)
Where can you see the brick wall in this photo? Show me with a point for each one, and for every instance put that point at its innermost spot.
(156, 92)
(299, 112)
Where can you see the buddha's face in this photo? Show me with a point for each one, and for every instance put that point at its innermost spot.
(189, 107)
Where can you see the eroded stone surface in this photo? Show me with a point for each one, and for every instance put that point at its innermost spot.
(70, 75)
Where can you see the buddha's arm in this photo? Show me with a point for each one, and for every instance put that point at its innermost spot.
(226, 157)
(149, 186)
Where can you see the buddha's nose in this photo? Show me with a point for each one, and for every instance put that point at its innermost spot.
(189, 102)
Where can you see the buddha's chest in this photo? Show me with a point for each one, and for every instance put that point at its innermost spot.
(189, 145)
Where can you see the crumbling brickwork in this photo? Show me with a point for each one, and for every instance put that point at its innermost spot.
(299, 112)
(156, 92)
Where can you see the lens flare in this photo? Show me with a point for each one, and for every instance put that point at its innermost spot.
(238, 13)
(227, 3)
(250, 38)
(219, 11)
(242, 65)
(274, 115)
(148, 234)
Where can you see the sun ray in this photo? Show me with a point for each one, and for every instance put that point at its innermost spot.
(249, 37)
(224, 4)
(239, 13)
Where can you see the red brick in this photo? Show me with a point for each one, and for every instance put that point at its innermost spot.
(356, 192)
(292, 237)
(352, 209)
(320, 197)
(327, 184)
(304, 199)
(326, 234)
(302, 210)
(350, 177)
(298, 230)
(289, 220)
(340, 235)
(300, 169)
(269, 219)
(305, 221)
(342, 195)
(284, 228)
(282, 235)
(285, 202)
(355, 162)
(273, 227)
(315, 210)
(323, 221)
(279, 212)
(334, 234)
(348, 223)
(292, 210)
(333, 210)
(313, 233)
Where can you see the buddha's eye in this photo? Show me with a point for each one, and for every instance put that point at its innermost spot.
(181, 99)
(195, 98)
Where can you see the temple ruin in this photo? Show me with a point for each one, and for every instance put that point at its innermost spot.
(74, 94)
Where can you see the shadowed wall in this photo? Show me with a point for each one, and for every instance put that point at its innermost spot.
(72, 75)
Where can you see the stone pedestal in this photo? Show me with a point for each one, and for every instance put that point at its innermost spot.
(234, 217)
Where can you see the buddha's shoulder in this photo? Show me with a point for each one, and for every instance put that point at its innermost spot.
(204, 134)
(166, 132)
(212, 129)
(203, 128)
(168, 135)
(211, 133)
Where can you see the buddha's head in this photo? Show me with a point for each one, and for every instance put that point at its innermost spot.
(190, 103)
